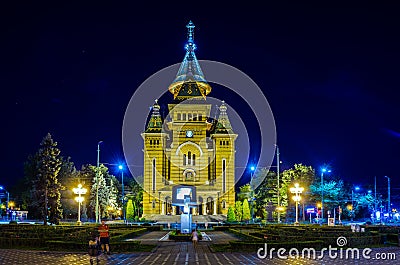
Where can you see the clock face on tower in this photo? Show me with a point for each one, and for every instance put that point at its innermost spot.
(189, 134)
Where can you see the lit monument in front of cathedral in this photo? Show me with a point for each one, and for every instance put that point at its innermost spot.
(189, 148)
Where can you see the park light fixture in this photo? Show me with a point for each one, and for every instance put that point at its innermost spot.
(79, 191)
(297, 190)
(323, 170)
(121, 167)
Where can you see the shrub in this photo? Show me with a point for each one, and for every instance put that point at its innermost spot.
(231, 214)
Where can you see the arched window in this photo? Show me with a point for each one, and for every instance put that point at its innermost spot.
(151, 142)
(158, 142)
(184, 116)
(195, 116)
(200, 117)
(189, 116)
(220, 142)
(189, 158)
(179, 117)
(184, 159)
(223, 204)
(194, 160)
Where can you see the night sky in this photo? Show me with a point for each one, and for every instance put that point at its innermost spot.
(330, 74)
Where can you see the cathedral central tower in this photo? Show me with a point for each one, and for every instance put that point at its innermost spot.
(189, 147)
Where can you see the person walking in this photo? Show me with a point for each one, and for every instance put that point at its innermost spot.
(94, 249)
(104, 237)
(195, 238)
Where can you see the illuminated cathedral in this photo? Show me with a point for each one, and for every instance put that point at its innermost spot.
(189, 147)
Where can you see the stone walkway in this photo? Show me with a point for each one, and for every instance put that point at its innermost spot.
(176, 253)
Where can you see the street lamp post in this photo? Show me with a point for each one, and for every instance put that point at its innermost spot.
(389, 205)
(252, 168)
(277, 174)
(97, 181)
(323, 170)
(79, 191)
(297, 190)
(123, 191)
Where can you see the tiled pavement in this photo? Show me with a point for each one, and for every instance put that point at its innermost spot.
(175, 253)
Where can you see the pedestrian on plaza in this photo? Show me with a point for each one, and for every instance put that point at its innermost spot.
(104, 237)
(94, 249)
(195, 238)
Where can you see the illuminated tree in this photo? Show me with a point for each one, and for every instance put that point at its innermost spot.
(231, 214)
(246, 211)
(130, 213)
(238, 210)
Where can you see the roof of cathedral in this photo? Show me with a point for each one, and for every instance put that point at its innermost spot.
(155, 122)
(223, 125)
(190, 81)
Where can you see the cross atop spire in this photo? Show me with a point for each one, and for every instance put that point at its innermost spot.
(190, 26)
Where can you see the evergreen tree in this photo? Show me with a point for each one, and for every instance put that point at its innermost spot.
(112, 196)
(246, 211)
(238, 210)
(46, 185)
(231, 214)
(107, 190)
(130, 214)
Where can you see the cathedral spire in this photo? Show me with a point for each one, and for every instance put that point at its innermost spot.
(155, 122)
(189, 81)
(223, 123)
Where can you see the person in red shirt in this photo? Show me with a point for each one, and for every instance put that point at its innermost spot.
(104, 237)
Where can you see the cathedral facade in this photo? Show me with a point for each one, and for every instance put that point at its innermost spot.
(189, 147)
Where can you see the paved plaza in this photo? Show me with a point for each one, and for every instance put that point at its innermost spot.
(174, 253)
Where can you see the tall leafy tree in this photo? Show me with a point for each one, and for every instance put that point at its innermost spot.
(69, 178)
(304, 175)
(46, 185)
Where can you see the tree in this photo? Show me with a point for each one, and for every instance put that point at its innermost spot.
(107, 190)
(266, 192)
(231, 214)
(238, 210)
(46, 185)
(245, 193)
(334, 193)
(112, 196)
(136, 195)
(69, 178)
(246, 211)
(130, 213)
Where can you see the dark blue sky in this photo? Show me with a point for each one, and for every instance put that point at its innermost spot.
(331, 76)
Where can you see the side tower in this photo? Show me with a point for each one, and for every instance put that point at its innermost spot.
(155, 162)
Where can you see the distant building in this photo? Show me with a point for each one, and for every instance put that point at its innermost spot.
(189, 147)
